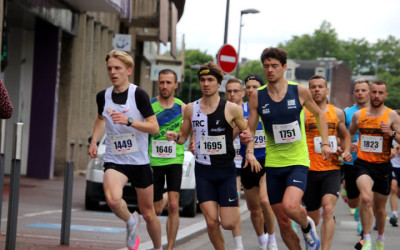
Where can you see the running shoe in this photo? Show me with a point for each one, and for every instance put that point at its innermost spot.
(272, 246)
(367, 245)
(359, 244)
(294, 226)
(356, 215)
(132, 240)
(359, 227)
(352, 211)
(344, 195)
(393, 220)
(262, 247)
(311, 238)
(379, 245)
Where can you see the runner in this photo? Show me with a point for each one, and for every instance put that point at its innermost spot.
(395, 190)
(255, 186)
(323, 179)
(166, 158)
(362, 96)
(377, 126)
(234, 93)
(279, 104)
(212, 119)
(126, 158)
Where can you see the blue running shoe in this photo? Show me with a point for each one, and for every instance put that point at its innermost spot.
(356, 215)
(311, 238)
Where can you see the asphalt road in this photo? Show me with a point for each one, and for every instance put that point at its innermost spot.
(40, 211)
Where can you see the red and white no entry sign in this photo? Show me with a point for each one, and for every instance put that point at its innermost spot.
(227, 58)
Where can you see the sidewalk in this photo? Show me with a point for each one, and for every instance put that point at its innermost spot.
(35, 192)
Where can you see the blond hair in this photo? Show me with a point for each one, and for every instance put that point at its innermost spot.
(122, 56)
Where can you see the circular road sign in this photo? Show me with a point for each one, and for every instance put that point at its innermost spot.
(227, 58)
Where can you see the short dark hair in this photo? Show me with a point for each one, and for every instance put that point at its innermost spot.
(379, 82)
(210, 68)
(232, 80)
(276, 53)
(316, 77)
(362, 80)
(256, 77)
(167, 71)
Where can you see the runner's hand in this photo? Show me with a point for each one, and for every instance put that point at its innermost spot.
(119, 118)
(92, 150)
(254, 164)
(326, 152)
(171, 135)
(347, 157)
(245, 137)
(386, 129)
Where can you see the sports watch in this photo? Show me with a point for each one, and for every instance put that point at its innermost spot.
(130, 121)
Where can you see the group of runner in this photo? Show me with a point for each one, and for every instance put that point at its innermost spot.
(284, 146)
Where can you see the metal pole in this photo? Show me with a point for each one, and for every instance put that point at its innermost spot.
(240, 34)
(67, 203)
(190, 87)
(226, 22)
(14, 188)
(2, 145)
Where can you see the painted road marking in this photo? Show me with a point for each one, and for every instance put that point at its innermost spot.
(80, 228)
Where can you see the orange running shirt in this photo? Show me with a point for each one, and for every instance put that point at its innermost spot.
(314, 141)
(373, 145)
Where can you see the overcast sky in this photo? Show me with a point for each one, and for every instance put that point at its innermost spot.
(203, 22)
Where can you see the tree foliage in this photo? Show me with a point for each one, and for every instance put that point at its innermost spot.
(251, 67)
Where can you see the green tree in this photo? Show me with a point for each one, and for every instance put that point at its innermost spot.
(251, 67)
(192, 57)
(323, 43)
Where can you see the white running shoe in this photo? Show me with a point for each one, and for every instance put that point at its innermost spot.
(132, 240)
(311, 238)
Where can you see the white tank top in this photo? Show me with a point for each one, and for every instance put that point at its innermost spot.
(124, 145)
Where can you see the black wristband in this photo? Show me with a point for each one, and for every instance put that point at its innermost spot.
(177, 138)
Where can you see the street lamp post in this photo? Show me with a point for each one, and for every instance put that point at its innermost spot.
(247, 11)
(194, 66)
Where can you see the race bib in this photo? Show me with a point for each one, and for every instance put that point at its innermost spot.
(259, 139)
(212, 145)
(286, 133)
(236, 146)
(123, 144)
(372, 144)
(163, 149)
(332, 143)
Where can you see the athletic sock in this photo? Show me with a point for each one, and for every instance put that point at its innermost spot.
(396, 214)
(238, 241)
(380, 238)
(262, 240)
(131, 221)
(367, 237)
(307, 229)
(271, 238)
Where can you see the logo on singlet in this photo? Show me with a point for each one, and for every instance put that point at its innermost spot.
(291, 104)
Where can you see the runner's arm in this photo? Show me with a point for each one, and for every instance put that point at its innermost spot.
(343, 135)
(185, 129)
(98, 131)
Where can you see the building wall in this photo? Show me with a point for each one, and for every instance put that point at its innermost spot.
(341, 93)
(83, 75)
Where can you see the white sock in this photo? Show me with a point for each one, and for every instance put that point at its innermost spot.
(131, 221)
(262, 240)
(367, 237)
(395, 214)
(158, 248)
(271, 238)
(238, 241)
(380, 238)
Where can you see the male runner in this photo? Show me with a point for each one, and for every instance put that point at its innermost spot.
(279, 104)
(377, 126)
(212, 119)
(127, 126)
(234, 93)
(166, 158)
(362, 96)
(323, 179)
(255, 186)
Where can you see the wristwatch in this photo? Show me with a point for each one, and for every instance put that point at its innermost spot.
(130, 121)
(393, 134)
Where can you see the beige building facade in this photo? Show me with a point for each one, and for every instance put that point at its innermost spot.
(55, 66)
